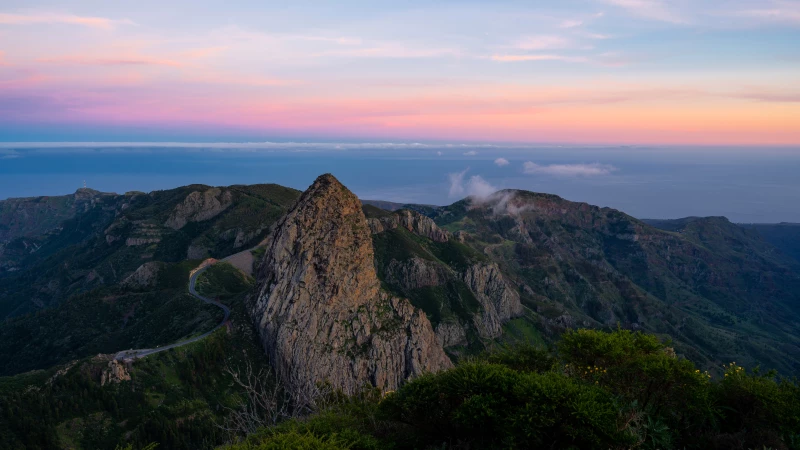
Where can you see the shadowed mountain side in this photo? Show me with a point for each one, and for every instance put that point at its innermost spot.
(721, 292)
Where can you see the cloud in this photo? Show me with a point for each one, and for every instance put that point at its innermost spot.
(521, 58)
(776, 11)
(569, 169)
(769, 96)
(110, 61)
(69, 19)
(571, 24)
(390, 50)
(470, 153)
(648, 9)
(457, 182)
(542, 43)
(501, 162)
(476, 187)
(439, 153)
(596, 36)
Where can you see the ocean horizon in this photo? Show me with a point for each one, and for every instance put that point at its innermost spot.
(747, 186)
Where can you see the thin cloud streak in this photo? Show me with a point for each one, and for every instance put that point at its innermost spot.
(551, 57)
(568, 170)
(110, 61)
(649, 9)
(65, 19)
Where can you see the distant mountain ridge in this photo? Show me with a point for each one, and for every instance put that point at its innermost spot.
(784, 236)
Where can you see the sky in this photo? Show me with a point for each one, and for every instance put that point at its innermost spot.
(611, 72)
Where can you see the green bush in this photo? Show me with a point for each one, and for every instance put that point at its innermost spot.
(524, 358)
(482, 405)
(332, 429)
(294, 440)
(759, 410)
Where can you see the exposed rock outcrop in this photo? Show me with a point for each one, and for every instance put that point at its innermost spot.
(450, 334)
(134, 241)
(199, 206)
(145, 276)
(319, 308)
(116, 372)
(415, 273)
(499, 300)
(411, 221)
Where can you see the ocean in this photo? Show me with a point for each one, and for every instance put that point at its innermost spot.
(744, 184)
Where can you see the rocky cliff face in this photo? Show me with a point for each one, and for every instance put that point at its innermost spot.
(415, 273)
(411, 221)
(200, 206)
(500, 302)
(319, 308)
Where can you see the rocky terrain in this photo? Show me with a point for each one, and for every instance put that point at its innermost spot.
(319, 307)
(719, 291)
(465, 296)
(108, 237)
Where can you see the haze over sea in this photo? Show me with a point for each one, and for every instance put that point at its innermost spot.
(743, 184)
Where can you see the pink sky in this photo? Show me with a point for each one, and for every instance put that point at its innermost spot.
(613, 72)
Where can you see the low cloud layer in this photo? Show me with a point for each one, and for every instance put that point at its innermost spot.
(475, 187)
(569, 170)
(501, 162)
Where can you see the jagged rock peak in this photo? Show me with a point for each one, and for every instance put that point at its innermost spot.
(319, 309)
(327, 227)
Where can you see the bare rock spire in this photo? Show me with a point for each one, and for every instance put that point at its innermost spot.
(319, 308)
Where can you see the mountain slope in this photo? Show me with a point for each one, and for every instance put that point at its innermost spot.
(114, 235)
(462, 292)
(719, 291)
(114, 276)
(784, 236)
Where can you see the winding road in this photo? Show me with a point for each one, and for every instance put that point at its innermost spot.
(142, 352)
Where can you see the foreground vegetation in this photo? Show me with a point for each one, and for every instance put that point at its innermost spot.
(596, 390)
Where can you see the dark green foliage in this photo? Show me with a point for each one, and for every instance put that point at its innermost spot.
(524, 358)
(491, 406)
(223, 281)
(105, 320)
(602, 390)
(335, 429)
(374, 212)
(174, 398)
(398, 244)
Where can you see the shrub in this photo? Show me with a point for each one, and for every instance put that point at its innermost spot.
(759, 409)
(645, 373)
(524, 358)
(484, 405)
